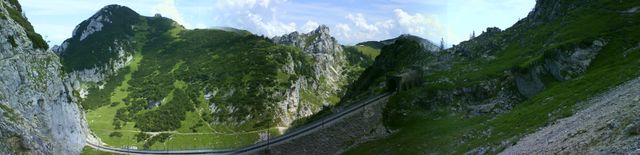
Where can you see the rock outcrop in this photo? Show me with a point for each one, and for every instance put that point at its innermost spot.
(39, 115)
(560, 64)
(326, 80)
(326, 51)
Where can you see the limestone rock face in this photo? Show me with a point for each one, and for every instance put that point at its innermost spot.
(322, 47)
(39, 115)
(326, 80)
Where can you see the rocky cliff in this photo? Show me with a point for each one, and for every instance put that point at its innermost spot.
(327, 79)
(39, 115)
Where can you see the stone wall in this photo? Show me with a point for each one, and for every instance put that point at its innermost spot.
(335, 137)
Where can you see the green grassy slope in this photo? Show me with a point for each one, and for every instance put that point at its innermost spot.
(429, 127)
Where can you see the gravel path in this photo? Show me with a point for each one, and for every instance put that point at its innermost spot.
(604, 126)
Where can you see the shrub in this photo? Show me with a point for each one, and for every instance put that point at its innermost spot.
(12, 41)
(116, 124)
(142, 136)
(115, 134)
(16, 4)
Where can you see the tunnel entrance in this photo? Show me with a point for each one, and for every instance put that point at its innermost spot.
(405, 80)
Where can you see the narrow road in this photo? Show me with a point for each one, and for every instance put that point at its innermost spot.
(305, 129)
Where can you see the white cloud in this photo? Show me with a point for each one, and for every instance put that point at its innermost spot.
(272, 27)
(247, 3)
(258, 16)
(168, 9)
(309, 26)
(343, 30)
(361, 22)
(360, 29)
(422, 25)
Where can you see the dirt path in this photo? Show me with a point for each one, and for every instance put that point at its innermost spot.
(602, 127)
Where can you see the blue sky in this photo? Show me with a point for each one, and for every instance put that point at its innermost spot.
(350, 21)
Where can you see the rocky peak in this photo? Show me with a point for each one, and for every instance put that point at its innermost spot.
(327, 78)
(101, 18)
(316, 41)
(322, 29)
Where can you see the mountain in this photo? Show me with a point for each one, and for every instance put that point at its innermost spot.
(39, 113)
(485, 94)
(151, 75)
(102, 44)
(427, 44)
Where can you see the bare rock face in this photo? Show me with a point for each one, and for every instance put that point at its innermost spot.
(326, 80)
(322, 47)
(39, 115)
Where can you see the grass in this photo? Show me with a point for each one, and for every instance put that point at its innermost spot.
(9, 113)
(369, 51)
(426, 133)
(100, 120)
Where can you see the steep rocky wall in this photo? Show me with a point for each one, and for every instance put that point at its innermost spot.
(326, 80)
(336, 137)
(39, 116)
